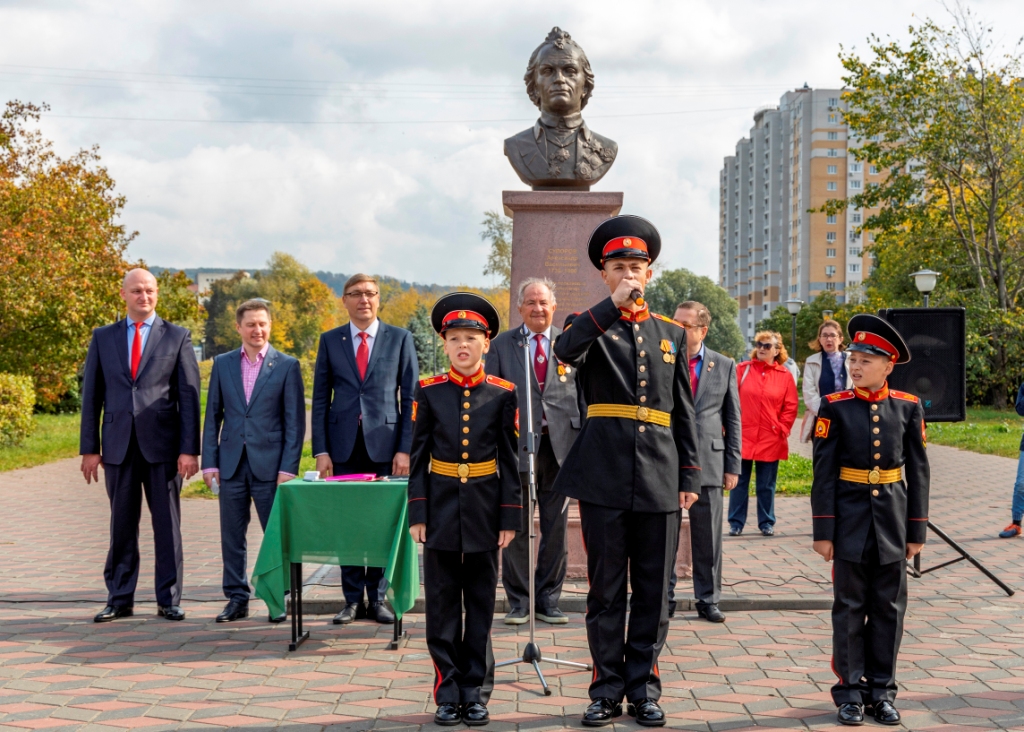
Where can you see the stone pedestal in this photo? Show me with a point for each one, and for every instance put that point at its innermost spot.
(550, 230)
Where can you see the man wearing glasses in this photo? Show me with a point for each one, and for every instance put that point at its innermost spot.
(366, 373)
(716, 402)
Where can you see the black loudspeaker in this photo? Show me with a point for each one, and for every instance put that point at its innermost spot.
(937, 372)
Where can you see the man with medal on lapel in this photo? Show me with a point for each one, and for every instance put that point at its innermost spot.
(632, 468)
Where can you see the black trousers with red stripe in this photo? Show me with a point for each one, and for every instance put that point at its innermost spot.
(870, 600)
(462, 655)
(638, 547)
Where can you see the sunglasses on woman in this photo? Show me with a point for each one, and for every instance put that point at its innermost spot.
(765, 346)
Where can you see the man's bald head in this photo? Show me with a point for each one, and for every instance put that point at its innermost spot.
(139, 292)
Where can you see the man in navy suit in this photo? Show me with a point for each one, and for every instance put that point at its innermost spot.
(252, 440)
(366, 372)
(141, 376)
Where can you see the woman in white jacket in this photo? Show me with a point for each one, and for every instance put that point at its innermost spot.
(825, 373)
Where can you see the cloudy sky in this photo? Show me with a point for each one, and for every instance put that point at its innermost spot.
(368, 136)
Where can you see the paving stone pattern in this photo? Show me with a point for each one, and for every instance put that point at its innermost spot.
(961, 663)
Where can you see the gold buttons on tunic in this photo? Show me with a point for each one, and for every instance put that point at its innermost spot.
(465, 405)
(643, 383)
(465, 393)
(636, 327)
(874, 418)
(876, 430)
(874, 407)
(643, 399)
(643, 353)
(642, 428)
(465, 430)
(877, 443)
(465, 417)
(465, 456)
(874, 492)
(878, 455)
(642, 367)
(465, 442)
(639, 339)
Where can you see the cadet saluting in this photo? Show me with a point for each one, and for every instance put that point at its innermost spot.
(639, 434)
(867, 518)
(465, 503)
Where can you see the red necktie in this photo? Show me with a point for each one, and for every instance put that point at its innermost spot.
(363, 355)
(137, 348)
(693, 374)
(540, 361)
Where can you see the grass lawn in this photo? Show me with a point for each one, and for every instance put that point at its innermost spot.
(197, 488)
(55, 437)
(794, 479)
(988, 431)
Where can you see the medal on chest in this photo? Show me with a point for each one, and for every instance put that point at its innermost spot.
(668, 351)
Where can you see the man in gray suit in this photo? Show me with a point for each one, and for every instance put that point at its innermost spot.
(556, 418)
(252, 440)
(717, 404)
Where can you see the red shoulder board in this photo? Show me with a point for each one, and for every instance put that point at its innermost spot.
(506, 385)
(842, 396)
(439, 379)
(903, 395)
(666, 320)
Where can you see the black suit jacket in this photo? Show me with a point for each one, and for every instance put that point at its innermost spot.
(162, 403)
(630, 360)
(384, 398)
(858, 430)
(271, 426)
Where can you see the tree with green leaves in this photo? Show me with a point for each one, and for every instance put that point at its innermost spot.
(178, 304)
(674, 286)
(429, 350)
(943, 117)
(498, 231)
(61, 254)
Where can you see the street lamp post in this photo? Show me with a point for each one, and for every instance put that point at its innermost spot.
(925, 280)
(794, 307)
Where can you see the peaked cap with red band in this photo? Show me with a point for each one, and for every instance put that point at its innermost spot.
(871, 334)
(624, 236)
(465, 310)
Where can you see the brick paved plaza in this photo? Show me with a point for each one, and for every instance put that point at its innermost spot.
(962, 660)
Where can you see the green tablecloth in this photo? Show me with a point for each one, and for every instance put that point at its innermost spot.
(353, 524)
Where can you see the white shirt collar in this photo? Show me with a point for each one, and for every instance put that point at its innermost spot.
(546, 333)
(371, 330)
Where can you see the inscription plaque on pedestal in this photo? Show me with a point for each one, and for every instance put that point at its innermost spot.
(550, 230)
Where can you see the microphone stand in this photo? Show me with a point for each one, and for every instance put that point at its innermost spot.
(532, 653)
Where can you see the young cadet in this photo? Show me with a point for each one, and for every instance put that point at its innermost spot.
(640, 434)
(867, 519)
(465, 503)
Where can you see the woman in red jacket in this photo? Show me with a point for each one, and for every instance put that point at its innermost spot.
(768, 405)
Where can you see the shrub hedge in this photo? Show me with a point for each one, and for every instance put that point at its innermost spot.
(17, 399)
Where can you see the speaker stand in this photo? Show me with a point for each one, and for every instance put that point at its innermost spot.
(916, 571)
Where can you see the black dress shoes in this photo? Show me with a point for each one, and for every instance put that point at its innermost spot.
(475, 714)
(447, 715)
(380, 612)
(352, 611)
(711, 613)
(647, 713)
(850, 714)
(235, 610)
(113, 612)
(171, 612)
(885, 713)
(601, 712)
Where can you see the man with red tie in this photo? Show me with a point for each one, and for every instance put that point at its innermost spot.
(142, 379)
(366, 373)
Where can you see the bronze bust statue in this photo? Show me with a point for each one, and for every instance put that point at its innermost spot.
(560, 152)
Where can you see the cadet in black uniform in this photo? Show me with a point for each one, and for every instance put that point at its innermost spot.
(867, 518)
(632, 466)
(465, 503)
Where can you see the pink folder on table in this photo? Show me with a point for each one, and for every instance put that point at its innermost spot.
(354, 477)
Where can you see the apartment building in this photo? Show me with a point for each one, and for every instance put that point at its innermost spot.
(771, 248)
